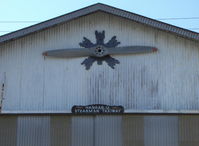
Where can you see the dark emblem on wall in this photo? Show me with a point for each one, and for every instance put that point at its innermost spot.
(100, 51)
(97, 109)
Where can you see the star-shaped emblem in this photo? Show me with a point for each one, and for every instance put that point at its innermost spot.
(100, 50)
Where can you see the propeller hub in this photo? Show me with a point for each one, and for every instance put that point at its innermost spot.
(99, 51)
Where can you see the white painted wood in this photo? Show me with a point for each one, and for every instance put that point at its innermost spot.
(167, 80)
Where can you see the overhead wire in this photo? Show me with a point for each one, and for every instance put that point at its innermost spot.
(183, 18)
(179, 18)
(34, 21)
(20, 21)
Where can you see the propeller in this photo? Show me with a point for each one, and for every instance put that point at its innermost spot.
(99, 51)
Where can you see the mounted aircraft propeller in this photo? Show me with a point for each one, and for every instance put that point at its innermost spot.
(99, 51)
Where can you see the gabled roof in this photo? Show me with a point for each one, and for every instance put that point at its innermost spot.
(107, 9)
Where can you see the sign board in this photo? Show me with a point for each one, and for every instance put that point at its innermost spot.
(97, 109)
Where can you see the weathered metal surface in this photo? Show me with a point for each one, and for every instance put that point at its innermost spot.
(107, 9)
(161, 130)
(82, 131)
(133, 130)
(106, 133)
(2, 88)
(33, 131)
(60, 129)
(8, 130)
(165, 81)
(188, 130)
(110, 130)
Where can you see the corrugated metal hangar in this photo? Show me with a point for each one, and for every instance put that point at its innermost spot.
(99, 76)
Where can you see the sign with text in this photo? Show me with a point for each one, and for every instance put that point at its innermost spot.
(97, 109)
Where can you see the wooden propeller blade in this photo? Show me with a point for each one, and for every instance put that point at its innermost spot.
(132, 50)
(81, 52)
(68, 53)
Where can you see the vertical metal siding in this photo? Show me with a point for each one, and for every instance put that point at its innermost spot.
(60, 131)
(166, 80)
(8, 131)
(128, 130)
(32, 75)
(161, 130)
(10, 64)
(188, 131)
(108, 130)
(133, 130)
(82, 133)
(33, 131)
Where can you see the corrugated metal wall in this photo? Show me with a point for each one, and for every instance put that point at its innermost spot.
(82, 131)
(121, 130)
(33, 131)
(8, 130)
(164, 81)
(60, 131)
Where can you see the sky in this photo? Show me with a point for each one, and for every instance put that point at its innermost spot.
(18, 14)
